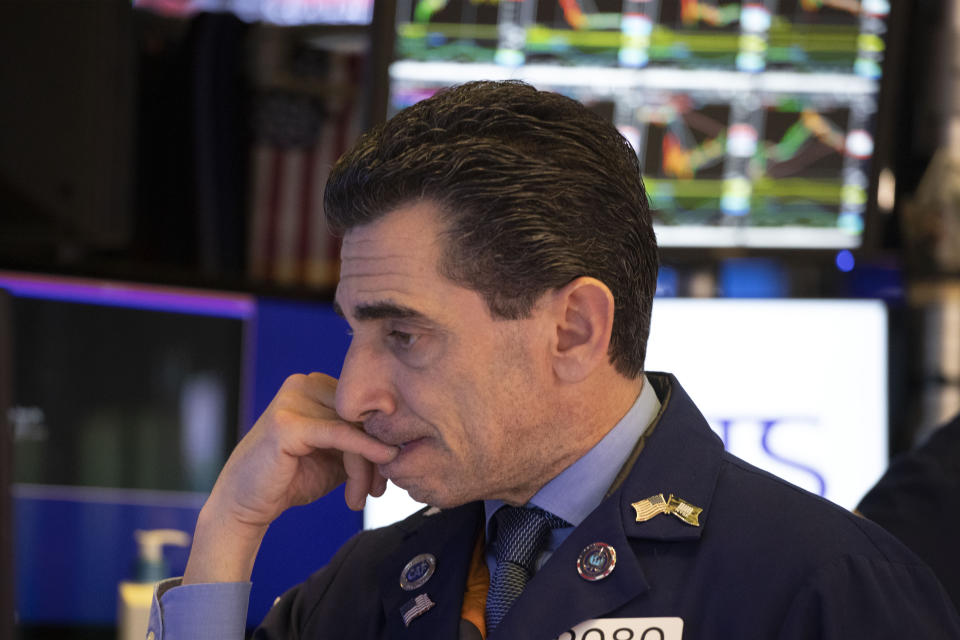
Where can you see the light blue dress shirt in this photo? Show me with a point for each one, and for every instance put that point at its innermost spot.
(578, 490)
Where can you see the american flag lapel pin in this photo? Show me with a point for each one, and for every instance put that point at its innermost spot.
(650, 507)
(657, 504)
(415, 607)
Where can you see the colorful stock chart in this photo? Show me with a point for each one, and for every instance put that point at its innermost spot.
(754, 122)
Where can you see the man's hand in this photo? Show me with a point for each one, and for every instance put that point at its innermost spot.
(298, 451)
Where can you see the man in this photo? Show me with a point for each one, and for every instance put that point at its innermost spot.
(498, 271)
(918, 501)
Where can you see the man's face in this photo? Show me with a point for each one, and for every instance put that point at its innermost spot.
(465, 396)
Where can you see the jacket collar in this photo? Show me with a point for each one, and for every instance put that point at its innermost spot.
(681, 456)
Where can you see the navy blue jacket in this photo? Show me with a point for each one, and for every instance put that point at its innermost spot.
(769, 560)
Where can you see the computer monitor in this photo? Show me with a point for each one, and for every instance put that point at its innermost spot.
(126, 400)
(796, 387)
(755, 123)
(6, 474)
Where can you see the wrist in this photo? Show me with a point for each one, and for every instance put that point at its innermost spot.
(224, 548)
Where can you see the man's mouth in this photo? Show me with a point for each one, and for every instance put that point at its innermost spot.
(390, 436)
(409, 443)
(400, 465)
(396, 442)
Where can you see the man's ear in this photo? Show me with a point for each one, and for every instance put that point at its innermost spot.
(583, 312)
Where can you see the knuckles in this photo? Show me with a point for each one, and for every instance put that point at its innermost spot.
(284, 417)
(295, 381)
(322, 378)
(305, 380)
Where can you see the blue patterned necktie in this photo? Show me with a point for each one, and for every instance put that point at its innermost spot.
(521, 534)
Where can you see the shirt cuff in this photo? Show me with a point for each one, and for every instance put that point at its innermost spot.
(215, 611)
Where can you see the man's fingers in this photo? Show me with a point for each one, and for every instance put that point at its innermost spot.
(315, 388)
(379, 485)
(306, 422)
(301, 434)
(335, 434)
(322, 388)
(360, 475)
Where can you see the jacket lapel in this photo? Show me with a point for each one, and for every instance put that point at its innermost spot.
(449, 536)
(682, 457)
(557, 598)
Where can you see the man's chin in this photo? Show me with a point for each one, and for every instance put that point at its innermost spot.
(440, 497)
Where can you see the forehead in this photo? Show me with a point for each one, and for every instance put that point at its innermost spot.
(394, 258)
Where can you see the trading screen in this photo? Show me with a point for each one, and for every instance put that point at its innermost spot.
(753, 122)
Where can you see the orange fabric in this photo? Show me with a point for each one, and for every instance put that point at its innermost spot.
(478, 583)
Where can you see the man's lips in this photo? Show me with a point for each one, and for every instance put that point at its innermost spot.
(407, 449)
(391, 437)
(404, 463)
(410, 444)
(394, 441)
(406, 437)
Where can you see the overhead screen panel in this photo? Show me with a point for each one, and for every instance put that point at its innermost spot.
(279, 12)
(754, 122)
(798, 388)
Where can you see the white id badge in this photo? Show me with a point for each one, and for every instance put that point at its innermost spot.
(626, 629)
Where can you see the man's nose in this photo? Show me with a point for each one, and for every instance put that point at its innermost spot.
(365, 386)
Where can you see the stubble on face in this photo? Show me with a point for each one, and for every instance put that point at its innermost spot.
(499, 441)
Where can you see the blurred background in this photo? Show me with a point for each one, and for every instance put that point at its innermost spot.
(164, 262)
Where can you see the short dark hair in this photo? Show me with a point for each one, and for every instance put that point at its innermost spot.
(535, 191)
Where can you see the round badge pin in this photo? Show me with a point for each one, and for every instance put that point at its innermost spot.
(596, 561)
(416, 572)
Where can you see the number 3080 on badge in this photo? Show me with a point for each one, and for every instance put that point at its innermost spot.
(626, 629)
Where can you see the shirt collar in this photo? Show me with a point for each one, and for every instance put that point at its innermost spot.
(579, 488)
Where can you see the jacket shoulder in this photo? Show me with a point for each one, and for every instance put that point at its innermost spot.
(783, 515)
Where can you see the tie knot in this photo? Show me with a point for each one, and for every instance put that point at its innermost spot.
(522, 533)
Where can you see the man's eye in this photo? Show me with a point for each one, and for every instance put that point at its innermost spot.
(402, 339)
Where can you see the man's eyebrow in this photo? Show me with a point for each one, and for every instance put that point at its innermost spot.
(380, 311)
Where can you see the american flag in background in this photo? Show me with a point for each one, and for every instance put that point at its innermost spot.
(299, 137)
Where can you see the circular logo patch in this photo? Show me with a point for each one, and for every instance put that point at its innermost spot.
(596, 561)
(416, 572)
